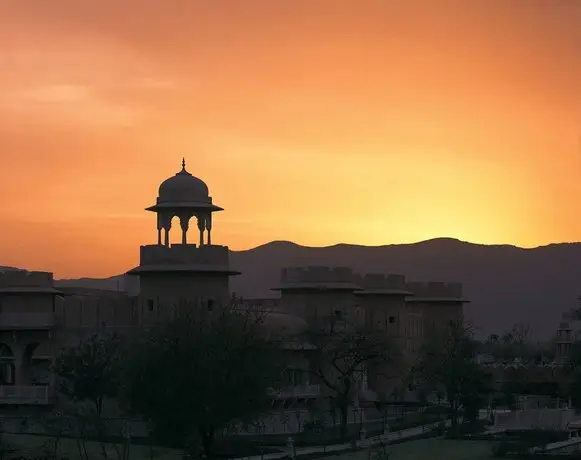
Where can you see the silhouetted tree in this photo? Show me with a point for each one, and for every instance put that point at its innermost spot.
(518, 334)
(448, 361)
(516, 343)
(200, 371)
(340, 353)
(89, 372)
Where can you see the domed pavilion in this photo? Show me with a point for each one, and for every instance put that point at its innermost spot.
(186, 272)
(184, 196)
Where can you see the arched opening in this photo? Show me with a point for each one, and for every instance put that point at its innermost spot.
(184, 229)
(7, 365)
(175, 234)
(36, 362)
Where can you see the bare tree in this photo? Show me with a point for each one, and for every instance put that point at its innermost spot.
(516, 343)
(521, 333)
(448, 363)
(340, 354)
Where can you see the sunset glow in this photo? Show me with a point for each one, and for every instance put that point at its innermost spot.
(316, 121)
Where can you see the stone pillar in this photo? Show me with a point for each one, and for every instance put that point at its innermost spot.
(185, 224)
(159, 228)
(209, 228)
(201, 227)
(167, 228)
(21, 362)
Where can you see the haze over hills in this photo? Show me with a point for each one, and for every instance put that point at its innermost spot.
(506, 284)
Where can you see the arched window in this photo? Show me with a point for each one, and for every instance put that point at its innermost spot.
(7, 369)
(5, 351)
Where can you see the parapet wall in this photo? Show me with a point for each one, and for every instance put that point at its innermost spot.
(379, 281)
(19, 278)
(435, 289)
(180, 254)
(317, 274)
(371, 281)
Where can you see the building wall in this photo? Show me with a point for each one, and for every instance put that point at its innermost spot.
(176, 288)
(313, 305)
(91, 312)
(23, 303)
(407, 312)
(386, 313)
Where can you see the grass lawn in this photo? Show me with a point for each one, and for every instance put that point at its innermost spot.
(433, 449)
(31, 444)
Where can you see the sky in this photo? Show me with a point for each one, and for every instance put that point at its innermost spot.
(316, 121)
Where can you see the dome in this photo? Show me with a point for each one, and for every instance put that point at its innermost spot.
(183, 187)
(284, 323)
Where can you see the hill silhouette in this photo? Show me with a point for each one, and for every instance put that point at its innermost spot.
(506, 284)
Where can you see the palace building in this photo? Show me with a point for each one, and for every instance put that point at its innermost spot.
(38, 319)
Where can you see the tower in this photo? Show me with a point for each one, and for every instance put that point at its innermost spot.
(186, 274)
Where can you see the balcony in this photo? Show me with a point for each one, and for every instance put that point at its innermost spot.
(26, 321)
(30, 395)
(299, 391)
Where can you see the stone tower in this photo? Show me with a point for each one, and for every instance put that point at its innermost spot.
(174, 276)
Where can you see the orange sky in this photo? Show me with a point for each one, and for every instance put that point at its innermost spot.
(317, 121)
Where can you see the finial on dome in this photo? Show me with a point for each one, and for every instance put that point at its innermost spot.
(183, 163)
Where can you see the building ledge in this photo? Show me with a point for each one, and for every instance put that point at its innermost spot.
(437, 300)
(391, 292)
(184, 268)
(26, 395)
(26, 321)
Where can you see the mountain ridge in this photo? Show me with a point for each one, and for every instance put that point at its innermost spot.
(436, 240)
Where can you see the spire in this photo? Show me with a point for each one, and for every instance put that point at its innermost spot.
(183, 172)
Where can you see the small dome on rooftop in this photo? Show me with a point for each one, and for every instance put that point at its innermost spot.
(183, 188)
(284, 323)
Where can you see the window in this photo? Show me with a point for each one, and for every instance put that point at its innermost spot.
(293, 377)
(7, 373)
(150, 304)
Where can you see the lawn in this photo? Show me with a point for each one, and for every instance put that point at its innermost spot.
(433, 449)
(32, 445)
